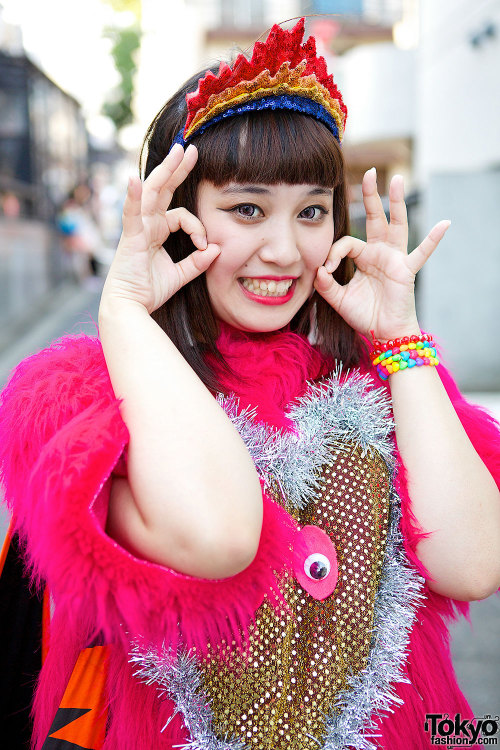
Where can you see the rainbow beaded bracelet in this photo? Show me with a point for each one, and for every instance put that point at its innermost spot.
(402, 354)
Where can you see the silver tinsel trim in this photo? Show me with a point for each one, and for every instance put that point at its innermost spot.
(327, 416)
(371, 692)
(340, 410)
(178, 677)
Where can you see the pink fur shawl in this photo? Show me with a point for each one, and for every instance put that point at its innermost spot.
(61, 438)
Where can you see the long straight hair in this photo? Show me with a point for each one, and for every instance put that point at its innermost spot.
(268, 147)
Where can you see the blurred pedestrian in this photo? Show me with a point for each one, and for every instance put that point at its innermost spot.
(80, 233)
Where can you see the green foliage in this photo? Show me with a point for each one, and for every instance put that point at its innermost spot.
(126, 42)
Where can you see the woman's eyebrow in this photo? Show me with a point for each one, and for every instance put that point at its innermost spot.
(321, 191)
(244, 189)
(259, 190)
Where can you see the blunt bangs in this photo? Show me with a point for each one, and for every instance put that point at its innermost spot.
(269, 147)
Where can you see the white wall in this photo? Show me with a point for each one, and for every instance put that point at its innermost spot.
(378, 85)
(459, 87)
(458, 170)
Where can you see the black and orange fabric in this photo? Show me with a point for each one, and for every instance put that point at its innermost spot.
(80, 721)
(21, 651)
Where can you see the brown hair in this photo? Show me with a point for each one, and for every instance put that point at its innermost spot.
(269, 147)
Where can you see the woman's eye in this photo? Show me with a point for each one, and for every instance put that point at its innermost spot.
(313, 213)
(247, 211)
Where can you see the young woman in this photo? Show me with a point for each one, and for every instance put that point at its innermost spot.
(252, 535)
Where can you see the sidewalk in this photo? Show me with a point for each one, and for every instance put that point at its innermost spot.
(475, 651)
(73, 309)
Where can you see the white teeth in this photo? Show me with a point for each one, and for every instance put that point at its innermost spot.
(269, 288)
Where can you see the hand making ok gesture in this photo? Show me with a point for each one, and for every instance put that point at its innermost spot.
(380, 297)
(141, 270)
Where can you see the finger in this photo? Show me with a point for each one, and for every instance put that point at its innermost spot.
(330, 290)
(397, 234)
(160, 185)
(196, 263)
(345, 246)
(181, 218)
(376, 221)
(422, 253)
(132, 216)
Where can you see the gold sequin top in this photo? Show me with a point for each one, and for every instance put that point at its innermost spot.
(276, 695)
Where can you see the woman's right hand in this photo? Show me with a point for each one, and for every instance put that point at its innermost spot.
(142, 271)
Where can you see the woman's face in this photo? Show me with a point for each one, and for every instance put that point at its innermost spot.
(273, 238)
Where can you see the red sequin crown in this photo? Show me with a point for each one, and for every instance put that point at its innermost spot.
(282, 73)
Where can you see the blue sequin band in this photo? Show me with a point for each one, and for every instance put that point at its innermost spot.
(286, 102)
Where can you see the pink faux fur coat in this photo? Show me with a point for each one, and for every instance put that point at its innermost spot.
(61, 438)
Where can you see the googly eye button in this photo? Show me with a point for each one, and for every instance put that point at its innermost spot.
(315, 562)
(317, 566)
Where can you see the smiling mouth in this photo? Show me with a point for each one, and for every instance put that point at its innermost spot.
(267, 287)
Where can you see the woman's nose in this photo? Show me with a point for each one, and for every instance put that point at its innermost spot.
(280, 247)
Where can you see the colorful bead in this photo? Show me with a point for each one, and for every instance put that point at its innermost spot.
(403, 353)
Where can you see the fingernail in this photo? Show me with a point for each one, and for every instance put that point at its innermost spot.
(329, 266)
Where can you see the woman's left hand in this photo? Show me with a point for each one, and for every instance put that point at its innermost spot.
(381, 295)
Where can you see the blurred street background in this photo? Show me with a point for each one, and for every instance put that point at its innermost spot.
(81, 80)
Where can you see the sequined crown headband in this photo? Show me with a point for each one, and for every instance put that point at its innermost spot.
(282, 74)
